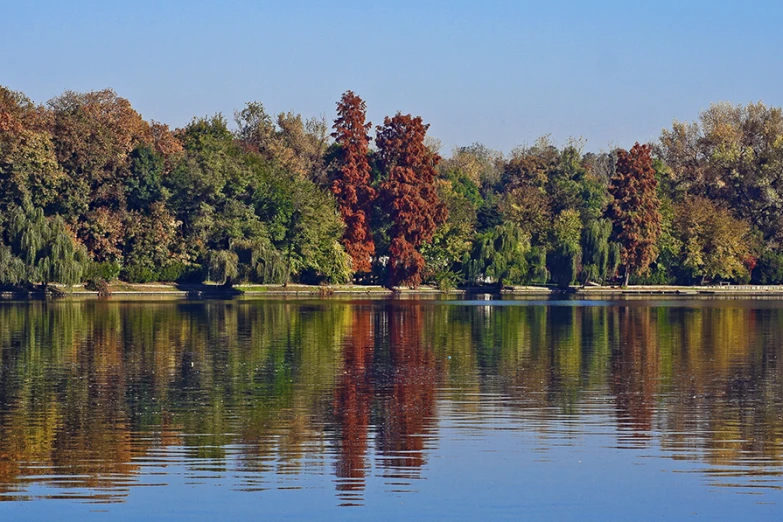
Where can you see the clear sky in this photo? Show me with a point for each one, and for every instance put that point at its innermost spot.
(497, 72)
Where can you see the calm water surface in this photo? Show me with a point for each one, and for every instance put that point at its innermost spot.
(391, 409)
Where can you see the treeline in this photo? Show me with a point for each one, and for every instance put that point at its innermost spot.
(90, 191)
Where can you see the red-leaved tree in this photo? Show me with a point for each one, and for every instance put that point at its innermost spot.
(351, 182)
(409, 194)
(635, 209)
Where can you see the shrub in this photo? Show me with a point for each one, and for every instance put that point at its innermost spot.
(180, 273)
(769, 269)
(107, 270)
(99, 285)
(138, 274)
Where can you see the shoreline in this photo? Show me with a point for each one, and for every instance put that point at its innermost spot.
(127, 291)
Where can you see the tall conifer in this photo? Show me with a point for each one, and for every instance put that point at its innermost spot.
(409, 194)
(351, 183)
(635, 210)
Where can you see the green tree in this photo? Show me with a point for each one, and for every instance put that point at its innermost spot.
(499, 255)
(144, 184)
(305, 227)
(595, 250)
(565, 257)
(38, 249)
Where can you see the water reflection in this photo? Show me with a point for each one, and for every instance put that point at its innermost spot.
(98, 397)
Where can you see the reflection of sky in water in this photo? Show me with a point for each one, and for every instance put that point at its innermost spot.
(396, 409)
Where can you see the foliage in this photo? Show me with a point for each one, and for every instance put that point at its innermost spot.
(178, 272)
(304, 227)
(565, 257)
(635, 209)
(108, 271)
(595, 250)
(409, 194)
(715, 244)
(733, 154)
(351, 180)
(222, 266)
(143, 187)
(38, 249)
(499, 255)
(769, 269)
(90, 190)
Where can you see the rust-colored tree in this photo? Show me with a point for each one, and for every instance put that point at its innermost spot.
(351, 182)
(407, 402)
(635, 209)
(409, 194)
(353, 406)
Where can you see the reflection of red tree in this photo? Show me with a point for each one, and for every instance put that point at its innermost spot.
(353, 398)
(410, 406)
(635, 370)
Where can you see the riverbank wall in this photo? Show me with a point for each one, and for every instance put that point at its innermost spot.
(175, 291)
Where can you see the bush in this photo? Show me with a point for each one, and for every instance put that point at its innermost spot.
(447, 280)
(138, 274)
(99, 285)
(107, 270)
(657, 275)
(769, 269)
(180, 273)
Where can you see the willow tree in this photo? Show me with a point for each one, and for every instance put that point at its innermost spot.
(635, 208)
(409, 194)
(39, 250)
(499, 255)
(351, 180)
(595, 250)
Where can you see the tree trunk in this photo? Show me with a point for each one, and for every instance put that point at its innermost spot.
(627, 275)
(287, 267)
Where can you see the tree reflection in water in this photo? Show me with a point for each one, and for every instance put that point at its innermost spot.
(94, 393)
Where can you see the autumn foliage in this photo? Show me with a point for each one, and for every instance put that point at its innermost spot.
(274, 201)
(351, 183)
(635, 210)
(409, 195)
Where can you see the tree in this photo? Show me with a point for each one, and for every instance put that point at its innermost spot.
(351, 180)
(304, 227)
(733, 154)
(38, 249)
(212, 188)
(444, 253)
(143, 186)
(595, 250)
(566, 254)
(29, 172)
(714, 243)
(479, 164)
(635, 210)
(93, 135)
(499, 255)
(295, 144)
(409, 194)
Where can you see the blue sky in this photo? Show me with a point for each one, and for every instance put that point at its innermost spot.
(497, 72)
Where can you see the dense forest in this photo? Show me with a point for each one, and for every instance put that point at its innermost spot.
(91, 192)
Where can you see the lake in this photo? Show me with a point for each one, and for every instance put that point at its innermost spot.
(391, 409)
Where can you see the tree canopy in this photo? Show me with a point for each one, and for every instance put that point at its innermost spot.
(90, 189)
